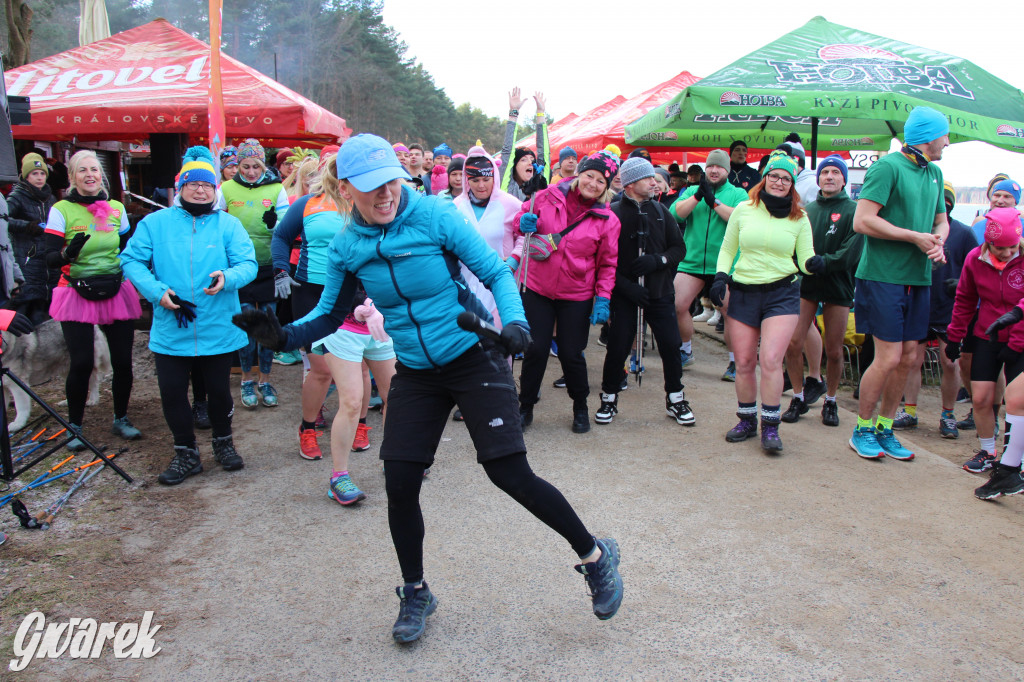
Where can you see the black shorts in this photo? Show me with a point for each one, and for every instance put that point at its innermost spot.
(479, 382)
(985, 364)
(752, 306)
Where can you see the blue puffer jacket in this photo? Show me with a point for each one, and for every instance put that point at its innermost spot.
(410, 268)
(172, 250)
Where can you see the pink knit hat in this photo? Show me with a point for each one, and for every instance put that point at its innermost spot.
(438, 179)
(1003, 227)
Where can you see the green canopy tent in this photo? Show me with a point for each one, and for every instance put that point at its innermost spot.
(842, 88)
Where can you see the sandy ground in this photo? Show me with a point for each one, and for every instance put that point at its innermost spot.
(811, 565)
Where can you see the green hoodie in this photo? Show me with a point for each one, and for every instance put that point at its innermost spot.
(836, 242)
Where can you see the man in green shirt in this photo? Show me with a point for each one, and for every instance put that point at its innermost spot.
(902, 214)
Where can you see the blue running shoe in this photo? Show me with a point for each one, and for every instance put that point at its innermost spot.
(249, 397)
(865, 443)
(417, 604)
(343, 491)
(603, 579)
(892, 446)
(687, 358)
(730, 373)
(268, 393)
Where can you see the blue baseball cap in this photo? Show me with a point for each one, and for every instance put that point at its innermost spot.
(369, 161)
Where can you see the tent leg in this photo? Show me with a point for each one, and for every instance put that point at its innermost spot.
(814, 142)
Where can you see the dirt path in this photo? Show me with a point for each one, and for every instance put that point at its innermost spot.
(814, 564)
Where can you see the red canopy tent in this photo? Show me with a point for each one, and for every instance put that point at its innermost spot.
(154, 79)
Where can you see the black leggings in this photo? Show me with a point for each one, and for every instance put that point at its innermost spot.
(79, 338)
(572, 318)
(172, 375)
(512, 474)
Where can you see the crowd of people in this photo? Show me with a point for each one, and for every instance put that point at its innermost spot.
(357, 261)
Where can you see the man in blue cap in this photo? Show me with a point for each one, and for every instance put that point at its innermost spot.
(901, 212)
(566, 165)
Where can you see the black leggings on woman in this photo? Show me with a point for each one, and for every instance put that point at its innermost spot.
(511, 473)
(79, 337)
(572, 318)
(172, 375)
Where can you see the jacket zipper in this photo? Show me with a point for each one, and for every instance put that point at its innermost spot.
(192, 286)
(408, 301)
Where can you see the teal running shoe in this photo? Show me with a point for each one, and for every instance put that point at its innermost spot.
(343, 491)
(892, 446)
(865, 443)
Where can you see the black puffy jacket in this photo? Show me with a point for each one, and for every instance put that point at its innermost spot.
(26, 204)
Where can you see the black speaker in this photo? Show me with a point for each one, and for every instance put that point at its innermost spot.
(8, 159)
(165, 151)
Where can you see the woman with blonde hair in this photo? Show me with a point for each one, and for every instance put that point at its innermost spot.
(85, 234)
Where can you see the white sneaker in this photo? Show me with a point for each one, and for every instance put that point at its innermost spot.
(704, 316)
(714, 319)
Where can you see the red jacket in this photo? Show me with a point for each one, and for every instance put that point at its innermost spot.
(583, 265)
(991, 293)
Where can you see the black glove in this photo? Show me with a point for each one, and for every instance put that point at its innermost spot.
(718, 288)
(953, 350)
(20, 325)
(270, 218)
(699, 194)
(815, 265)
(74, 248)
(262, 326)
(645, 265)
(1007, 355)
(708, 191)
(636, 294)
(515, 338)
(185, 313)
(1008, 319)
(949, 286)
(33, 229)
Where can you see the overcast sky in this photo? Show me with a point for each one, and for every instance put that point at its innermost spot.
(476, 53)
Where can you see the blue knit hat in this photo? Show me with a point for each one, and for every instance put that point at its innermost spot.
(924, 125)
(1008, 186)
(835, 161)
(567, 152)
(197, 167)
(442, 150)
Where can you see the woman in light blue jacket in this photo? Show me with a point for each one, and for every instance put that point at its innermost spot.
(190, 261)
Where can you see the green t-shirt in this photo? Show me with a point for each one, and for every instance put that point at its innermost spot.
(100, 255)
(910, 196)
(249, 205)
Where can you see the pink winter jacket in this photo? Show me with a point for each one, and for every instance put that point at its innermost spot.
(583, 265)
(995, 291)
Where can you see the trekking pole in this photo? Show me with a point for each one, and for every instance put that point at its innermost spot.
(10, 496)
(45, 517)
(638, 372)
(37, 446)
(38, 483)
(31, 425)
(525, 258)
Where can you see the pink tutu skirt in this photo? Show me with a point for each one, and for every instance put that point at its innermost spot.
(69, 306)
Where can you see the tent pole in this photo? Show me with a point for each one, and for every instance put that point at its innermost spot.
(814, 142)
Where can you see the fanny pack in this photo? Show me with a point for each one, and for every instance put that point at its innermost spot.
(764, 288)
(97, 287)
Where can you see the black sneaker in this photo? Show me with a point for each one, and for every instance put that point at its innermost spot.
(1005, 480)
(226, 455)
(201, 415)
(830, 413)
(770, 441)
(967, 423)
(525, 415)
(580, 420)
(720, 327)
(744, 430)
(981, 462)
(416, 604)
(609, 408)
(560, 382)
(813, 390)
(680, 411)
(185, 463)
(797, 407)
(602, 338)
(962, 396)
(603, 579)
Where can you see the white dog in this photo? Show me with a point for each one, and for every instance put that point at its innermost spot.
(39, 357)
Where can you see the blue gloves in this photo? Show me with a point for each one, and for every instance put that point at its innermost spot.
(528, 223)
(601, 311)
(512, 263)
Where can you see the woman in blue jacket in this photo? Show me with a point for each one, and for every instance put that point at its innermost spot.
(192, 260)
(405, 249)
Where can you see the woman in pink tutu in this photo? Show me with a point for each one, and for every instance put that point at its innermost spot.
(84, 236)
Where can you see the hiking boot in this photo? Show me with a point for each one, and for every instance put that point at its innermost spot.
(609, 408)
(201, 415)
(226, 455)
(678, 408)
(947, 428)
(962, 396)
(744, 430)
(603, 580)
(559, 382)
(686, 358)
(967, 423)
(797, 407)
(184, 464)
(580, 419)
(76, 444)
(864, 442)
(308, 447)
(730, 373)
(123, 427)
(813, 390)
(417, 603)
(981, 462)
(361, 443)
(343, 491)
(891, 445)
(249, 397)
(268, 394)
(903, 421)
(525, 415)
(830, 413)
(1004, 480)
(770, 441)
